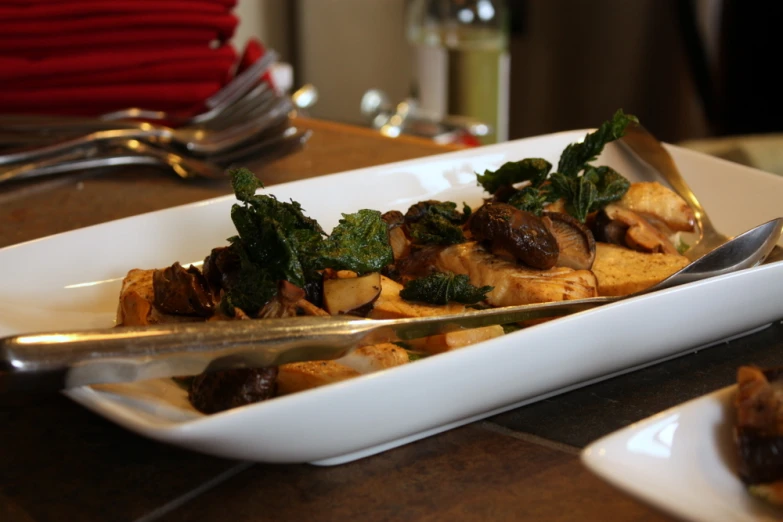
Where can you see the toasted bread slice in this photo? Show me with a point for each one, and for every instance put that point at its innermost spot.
(621, 271)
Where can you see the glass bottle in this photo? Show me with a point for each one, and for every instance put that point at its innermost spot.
(461, 60)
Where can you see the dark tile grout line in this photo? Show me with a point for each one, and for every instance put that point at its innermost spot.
(528, 437)
(183, 499)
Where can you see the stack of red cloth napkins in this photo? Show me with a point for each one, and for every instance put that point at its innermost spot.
(89, 57)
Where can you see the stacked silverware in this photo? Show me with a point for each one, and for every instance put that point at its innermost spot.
(244, 121)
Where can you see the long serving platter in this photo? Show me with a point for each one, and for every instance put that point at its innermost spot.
(72, 280)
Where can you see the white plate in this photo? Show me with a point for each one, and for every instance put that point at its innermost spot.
(683, 461)
(72, 280)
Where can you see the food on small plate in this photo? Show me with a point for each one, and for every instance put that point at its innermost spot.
(541, 234)
(758, 431)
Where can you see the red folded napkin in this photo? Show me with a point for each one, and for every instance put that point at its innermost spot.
(51, 28)
(92, 101)
(33, 3)
(117, 42)
(215, 70)
(20, 69)
(93, 8)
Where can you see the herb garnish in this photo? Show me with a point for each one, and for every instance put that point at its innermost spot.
(436, 223)
(442, 288)
(360, 242)
(277, 241)
(592, 190)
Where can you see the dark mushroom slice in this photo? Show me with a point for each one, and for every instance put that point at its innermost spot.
(225, 389)
(759, 425)
(574, 240)
(183, 292)
(639, 233)
(285, 303)
(607, 230)
(352, 295)
(506, 230)
(218, 265)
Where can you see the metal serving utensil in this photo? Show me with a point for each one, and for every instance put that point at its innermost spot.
(651, 151)
(55, 360)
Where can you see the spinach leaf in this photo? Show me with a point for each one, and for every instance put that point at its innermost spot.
(534, 170)
(610, 185)
(436, 223)
(249, 286)
(531, 199)
(244, 183)
(583, 192)
(360, 242)
(577, 155)
(595, 189)
(277, 236)
(442, 288)
(275, 242)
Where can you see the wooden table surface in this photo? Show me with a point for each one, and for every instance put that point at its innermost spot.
(60, 462)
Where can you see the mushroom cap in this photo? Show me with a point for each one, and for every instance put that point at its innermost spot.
(518, 233)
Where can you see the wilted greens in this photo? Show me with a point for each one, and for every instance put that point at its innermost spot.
(585, 188)
(441, 288)
(436, 223)
(277, 241)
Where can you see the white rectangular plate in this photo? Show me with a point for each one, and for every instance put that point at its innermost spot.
(72, 281)
(683, 461)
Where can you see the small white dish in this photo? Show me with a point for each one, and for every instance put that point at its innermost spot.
(682, 461)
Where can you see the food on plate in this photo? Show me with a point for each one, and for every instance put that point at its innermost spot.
(758, 431)
(540, 235)
(622, 271)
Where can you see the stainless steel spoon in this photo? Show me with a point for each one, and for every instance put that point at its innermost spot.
(76, 358)
(652, 152)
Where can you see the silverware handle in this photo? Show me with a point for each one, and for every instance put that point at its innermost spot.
(55, 360)
(126, 354)
(86, 141)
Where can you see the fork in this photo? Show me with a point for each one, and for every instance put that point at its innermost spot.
(135, 152)
(194, 139)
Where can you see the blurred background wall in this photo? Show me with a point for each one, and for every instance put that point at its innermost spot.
(573, 62)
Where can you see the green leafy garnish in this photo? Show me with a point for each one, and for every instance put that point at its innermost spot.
(277, 236)
(584, 187)
(534, 170)
(442, 288)
(277, 241)
(436, 223)
(249, 286)
(682, 246)
(359, 242)
(531, 199)
(244, 183)
(576, 156)
(595, 189)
